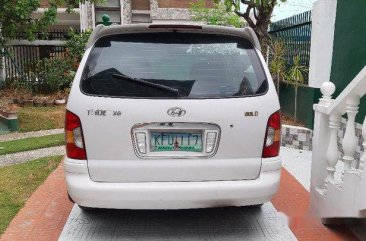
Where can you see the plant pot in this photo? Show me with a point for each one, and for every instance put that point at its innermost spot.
(60, 101)
(18, 101)
(10, 100)
(11, 114)
(49, 102)
(28, 102)
(38, 102)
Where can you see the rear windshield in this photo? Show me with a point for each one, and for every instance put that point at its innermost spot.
(173, 65)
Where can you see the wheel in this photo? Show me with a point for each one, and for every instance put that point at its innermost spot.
(256, 206)
(68, 195)
(332, 221)
(86, 209)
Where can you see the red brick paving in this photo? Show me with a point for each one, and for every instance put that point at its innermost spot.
(294, 200)
(44, 214)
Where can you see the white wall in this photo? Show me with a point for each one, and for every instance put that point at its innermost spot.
(322, 37)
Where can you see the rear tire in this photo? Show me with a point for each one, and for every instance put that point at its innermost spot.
(256, 206)
(86, 209)
(329, 222)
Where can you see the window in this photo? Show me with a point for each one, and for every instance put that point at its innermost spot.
(173, 65)
(110, 7)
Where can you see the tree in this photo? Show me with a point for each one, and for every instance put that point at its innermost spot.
(295, 77)
(215, 15)
(257, 14)
(17, 16)
(277, 64)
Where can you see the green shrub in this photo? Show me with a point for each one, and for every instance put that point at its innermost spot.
(76, 44)
(56, 74)
(217, 15)
(53, 75)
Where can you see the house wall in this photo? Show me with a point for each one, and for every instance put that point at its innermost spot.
(168, 13)
(173, 10)
(323, 25)
(306, 97)
(349, 51)
(140, 5)
(155, 11)
(45, 4)
(179, 3)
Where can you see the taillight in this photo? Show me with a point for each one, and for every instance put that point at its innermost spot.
(75, 148)
(272, 141)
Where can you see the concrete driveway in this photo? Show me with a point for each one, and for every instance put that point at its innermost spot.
(223, 224)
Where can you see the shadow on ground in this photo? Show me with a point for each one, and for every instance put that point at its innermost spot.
(224, 224)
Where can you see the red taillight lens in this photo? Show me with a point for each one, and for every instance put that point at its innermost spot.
(75, 147)
(272, 141)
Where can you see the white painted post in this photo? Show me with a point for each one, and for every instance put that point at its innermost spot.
(83, 17)
(321, 139)
(2, 61)
(349, 142)
(322, 38)
(87, 16)
(328, 90)
(126, 12)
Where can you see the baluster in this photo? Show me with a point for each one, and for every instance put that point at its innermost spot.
(332, 151)
(349, 142)
(363, 158)
(328, 89)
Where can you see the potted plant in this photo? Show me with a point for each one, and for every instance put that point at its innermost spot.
(17, 98)
(10, 111)
(60, 98)
(38, 101)
(27, 99)
(49, 101)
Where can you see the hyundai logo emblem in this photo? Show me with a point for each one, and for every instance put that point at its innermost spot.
(176, 112)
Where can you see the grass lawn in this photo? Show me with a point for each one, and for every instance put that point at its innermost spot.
(31, 143)
(41, 118)
(18, 182)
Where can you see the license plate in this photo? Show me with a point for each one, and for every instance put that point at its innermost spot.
(176, 141)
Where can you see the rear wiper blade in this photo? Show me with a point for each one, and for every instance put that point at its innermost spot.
(147, 83)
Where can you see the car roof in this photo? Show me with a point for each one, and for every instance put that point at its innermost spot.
(101, 31)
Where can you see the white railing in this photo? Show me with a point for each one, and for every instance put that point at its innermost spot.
(338, 179)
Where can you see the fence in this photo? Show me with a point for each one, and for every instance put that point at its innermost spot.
(20, 60)
(20, 56)
(52, 34)
(295, 32)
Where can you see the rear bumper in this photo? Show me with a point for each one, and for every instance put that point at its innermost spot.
(171, 195)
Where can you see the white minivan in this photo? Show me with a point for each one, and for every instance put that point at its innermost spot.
(172, 117)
